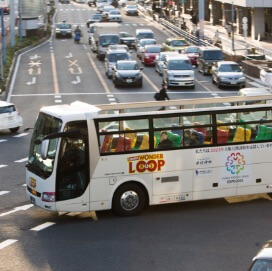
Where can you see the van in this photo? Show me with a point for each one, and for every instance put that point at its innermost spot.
(9, 117)
(178, 71)
(208, 56)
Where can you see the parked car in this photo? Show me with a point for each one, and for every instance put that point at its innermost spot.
(127, 73)
(193, 53)
(175, 44)
(95, 18)
(115, 16)
(263, 260)
(131, 10)
(228, 73)
(208, 56)
(159, 61)
(149, 54)
(112, 56)
(142, 43)
(63, 30)
(126, 38)
(178, 71)
(9, 117)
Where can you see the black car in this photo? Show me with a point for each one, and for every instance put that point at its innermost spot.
(126, 38)
(6, 10)
(92, 3)
(95, 18)
(127, 73)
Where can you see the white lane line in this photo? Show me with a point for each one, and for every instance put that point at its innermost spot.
(112, 99)
(20, 135)
(16, 209)
(43, 226)
(1, 166)
(151, 83)
(23, 184)
(58, 101)
(57, 96)
(4, 192)
(21, 160)
(110, 95)
(3, 140)
(7, 243)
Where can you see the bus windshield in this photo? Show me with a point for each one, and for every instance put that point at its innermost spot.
(44, 126)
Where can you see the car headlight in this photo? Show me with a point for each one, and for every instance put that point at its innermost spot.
(138, 76)
(223, 78)
(242, 79)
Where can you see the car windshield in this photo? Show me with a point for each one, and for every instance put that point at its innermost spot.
(131, 7)
(96, 16)
(153, 50)
(107, 40)
(145, 36)
(230, 68)
(213, 55)
(125, 35)
(7, 109)
(192, 50)
(107, 9)
(127, 66)
(146, 42)
(177, 43)
(117, 56)
(179, 64)
(63, 26)
(261, 264)
(115, 12)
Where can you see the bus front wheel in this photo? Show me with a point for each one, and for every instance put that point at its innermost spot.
(129, 200)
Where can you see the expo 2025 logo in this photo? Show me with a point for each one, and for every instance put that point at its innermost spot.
(235, 163)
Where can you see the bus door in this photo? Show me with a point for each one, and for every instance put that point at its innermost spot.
(73, 170)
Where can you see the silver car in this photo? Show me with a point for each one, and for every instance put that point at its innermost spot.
(228, 73)
(112, 56)
(159, 62)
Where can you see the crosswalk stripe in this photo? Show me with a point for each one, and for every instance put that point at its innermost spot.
(4, 192)
(43, 226)
(7, 243)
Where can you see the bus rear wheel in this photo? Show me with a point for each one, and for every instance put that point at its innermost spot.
(129, 200)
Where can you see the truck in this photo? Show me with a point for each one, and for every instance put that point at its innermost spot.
(105, 34)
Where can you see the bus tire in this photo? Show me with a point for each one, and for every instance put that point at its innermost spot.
(129, 200)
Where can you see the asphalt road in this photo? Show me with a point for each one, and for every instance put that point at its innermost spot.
(206, 235)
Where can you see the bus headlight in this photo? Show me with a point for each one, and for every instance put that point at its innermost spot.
(49, 196)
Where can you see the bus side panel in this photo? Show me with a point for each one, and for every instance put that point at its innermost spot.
(102, 189)
(209, 183)
(259, 181)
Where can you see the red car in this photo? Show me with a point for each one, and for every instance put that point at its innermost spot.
(193, 53)
(150, 52)
(6, 10)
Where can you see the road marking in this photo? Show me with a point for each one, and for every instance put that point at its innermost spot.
(23, 184)
(1, 166)
(151, 83)
(16, 209)
(58, 101)
(43, 226)
(112, 99)
(4, 192)
(55, 76)
(77, 81)
(32, 82)
(22, 160)
(69, 56)
(7, 243)
(3, 140)
(106, 88)
(20, 135)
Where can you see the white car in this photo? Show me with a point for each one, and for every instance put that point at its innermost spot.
(142, 43)
(9, 117)
(115, 16)
(131, 10)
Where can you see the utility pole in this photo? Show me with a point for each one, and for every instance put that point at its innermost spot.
(232, 26)
(201, 8)
(3, 37)
(20, 20)
(12, 24)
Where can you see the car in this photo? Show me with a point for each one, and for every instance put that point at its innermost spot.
(175, 44)
(91, 3)
(140, 46)
(228, 73)
(263, 260)
(127, 73)
(131, 10)
(105, 12)
(6, 10)
(112, 56)
(63, 30)
(118, 47)
(144, 34)
(124, 3)
(208, 56)
(115, 16)
(159, 60)
(178, 71)
(101, 3)
(126, 38)
(95, 18)
(193, 53)
(10, 117)
(149, 54)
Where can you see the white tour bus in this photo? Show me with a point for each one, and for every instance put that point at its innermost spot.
(128, 156)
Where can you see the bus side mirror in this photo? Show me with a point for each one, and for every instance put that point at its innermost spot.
(44, 149)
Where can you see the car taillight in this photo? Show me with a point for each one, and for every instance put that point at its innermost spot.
(49, 196)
